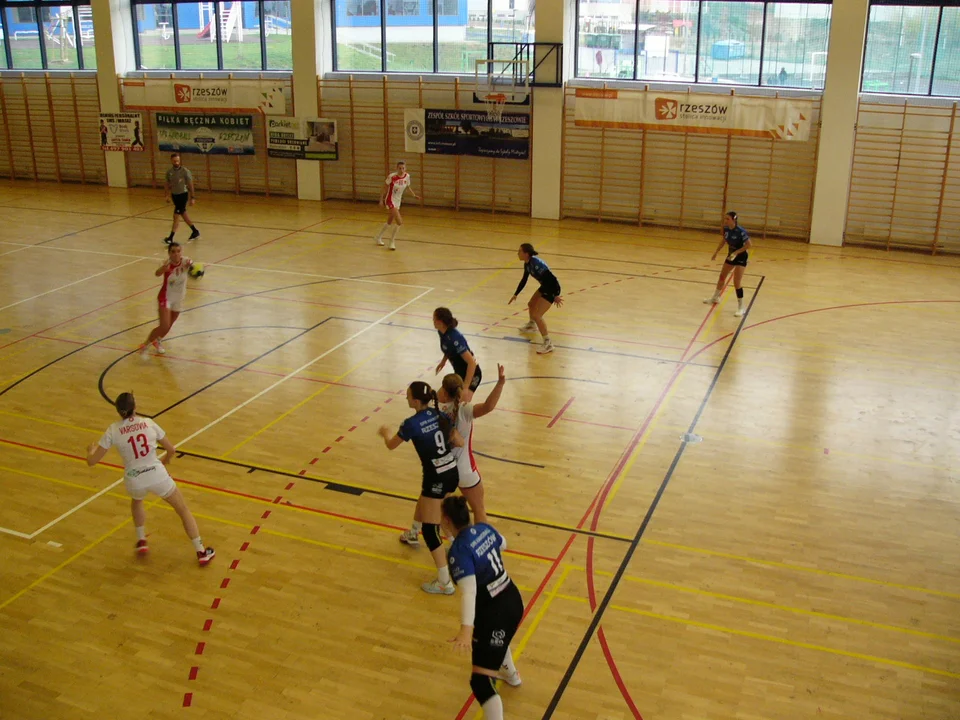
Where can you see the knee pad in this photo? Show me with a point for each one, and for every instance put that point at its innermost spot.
(431, 535)
(739, 293)
(483, 687)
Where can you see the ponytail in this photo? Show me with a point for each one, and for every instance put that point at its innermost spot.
(126, 405)
(424, 394)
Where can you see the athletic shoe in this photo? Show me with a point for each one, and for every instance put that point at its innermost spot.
(740, 312)
(511, 680)
(547, 347)
(206, 556)
(409, 537)
(379, 241)
(711, 300)
(144, 350)
(529, 327)
(194, 235)
(435, 588)
(142, 548)
(393, 244)
(158, 347)
(168, 240)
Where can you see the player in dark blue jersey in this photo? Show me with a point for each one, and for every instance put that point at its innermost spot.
(738, 245)
(433, 436)
(546, 295)
(491, 606)
(455, 349)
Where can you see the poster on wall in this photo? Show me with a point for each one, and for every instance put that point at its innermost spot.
(302, 138)
(767, 117)
(121, 132)
(265, 95)
(206, 134)
(466, 132)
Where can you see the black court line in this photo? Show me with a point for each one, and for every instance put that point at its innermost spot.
(359, 490)
(635, 543)
(506, 338)
(512, 462)
(109, 222)
(108, 368)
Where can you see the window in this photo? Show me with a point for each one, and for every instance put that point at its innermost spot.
(735, 42)
(251, 35)
(44, 35)
(912, 49)
(446, 36)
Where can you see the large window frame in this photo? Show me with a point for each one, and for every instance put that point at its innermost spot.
(440, 15)
(699, 44)
(38, 6)
(940, 6)
(215, 26)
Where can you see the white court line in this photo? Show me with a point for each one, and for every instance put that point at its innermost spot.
(8, 531)
(63, 287)
(11, 252)
(227, 414)
(27, 246)
(328, 277)
(24, 246)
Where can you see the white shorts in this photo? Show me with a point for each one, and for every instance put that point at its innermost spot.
(151, 479)
(174, 304)
(469, 474)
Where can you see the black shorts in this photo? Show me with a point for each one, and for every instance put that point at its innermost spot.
(438, 486)
(549, 294)
(180, 203)
(494, 628)
(740, 260)
(477, 377)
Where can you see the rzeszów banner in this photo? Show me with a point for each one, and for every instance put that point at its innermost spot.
(265, 95)
(777, 118)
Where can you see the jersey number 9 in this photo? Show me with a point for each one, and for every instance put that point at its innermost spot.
(441, 443)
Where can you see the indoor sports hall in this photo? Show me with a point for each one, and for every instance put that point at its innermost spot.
(742, 509)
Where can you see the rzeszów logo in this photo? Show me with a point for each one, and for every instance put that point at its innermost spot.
(186, 94)
(666, 109)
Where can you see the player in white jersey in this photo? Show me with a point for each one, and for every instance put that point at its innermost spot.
(390, 199)
(464, 413)
(136, 438)
(172, 294)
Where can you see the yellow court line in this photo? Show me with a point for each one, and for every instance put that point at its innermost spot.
(51, 422)
(800, 568)
(785, 608)
(65, 483)
(774, 639)
(817, 449)
(521, 646)
(653, 423)
(353, 369)
(46, 576)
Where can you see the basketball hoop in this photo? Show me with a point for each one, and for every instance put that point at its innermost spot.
(495, 103)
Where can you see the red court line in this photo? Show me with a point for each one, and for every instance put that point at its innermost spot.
(77, 317)
(556, 417)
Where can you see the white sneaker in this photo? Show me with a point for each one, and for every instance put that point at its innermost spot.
(529, 327)
(380, 241)
(393, 244)
(158, 346)
(547, 347)
(409, 537)
(740, 312)
(711, 300)
(511, 680)
(435, 588)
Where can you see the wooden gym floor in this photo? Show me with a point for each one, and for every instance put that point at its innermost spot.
(797, 557)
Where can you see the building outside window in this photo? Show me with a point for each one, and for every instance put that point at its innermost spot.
(251, 35)
(43, 35)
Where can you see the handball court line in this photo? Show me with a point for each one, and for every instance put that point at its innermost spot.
(229, 413)
(71, 284)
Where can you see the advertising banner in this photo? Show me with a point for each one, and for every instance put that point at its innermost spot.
(121, 132)
(206, 134)
(777, 118)
(467, 132)
(265, 95)
(302, 138)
